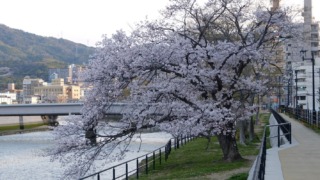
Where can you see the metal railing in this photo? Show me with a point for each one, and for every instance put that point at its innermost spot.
(260, 166)
(304, 115)
(285, 126)
(142, 164)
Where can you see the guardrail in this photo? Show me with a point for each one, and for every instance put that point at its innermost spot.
(143, 163)
(285, 126)
(260, 166)
(304, 115)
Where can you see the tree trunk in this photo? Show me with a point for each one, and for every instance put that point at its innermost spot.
(251, 129)
(242, 131)
(258, 112)
(229, 147)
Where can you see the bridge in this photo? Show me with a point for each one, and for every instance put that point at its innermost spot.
(54, 109)
(50, 112)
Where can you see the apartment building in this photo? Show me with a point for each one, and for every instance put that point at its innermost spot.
(298, 84)
(28, 87)
(57, 92)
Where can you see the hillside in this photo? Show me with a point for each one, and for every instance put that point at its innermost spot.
(31, 55)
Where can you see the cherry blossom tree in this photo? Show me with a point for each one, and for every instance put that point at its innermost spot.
(184, 74)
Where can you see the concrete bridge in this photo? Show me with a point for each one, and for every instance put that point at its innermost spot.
(50, 112)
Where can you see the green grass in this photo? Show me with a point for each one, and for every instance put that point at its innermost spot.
(240, 176)
(194, 161)
(17, 126)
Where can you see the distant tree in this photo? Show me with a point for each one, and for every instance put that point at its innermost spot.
(188, 68)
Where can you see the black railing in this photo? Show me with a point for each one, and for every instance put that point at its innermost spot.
(260, 166)
(304, 115)
(285, 126)
(144, 163)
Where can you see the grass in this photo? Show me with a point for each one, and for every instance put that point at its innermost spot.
(240, 176)
(194, 161)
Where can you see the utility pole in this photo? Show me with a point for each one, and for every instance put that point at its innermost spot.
(296, 100)
(314, 113)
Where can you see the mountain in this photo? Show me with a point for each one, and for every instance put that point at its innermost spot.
(27, 54)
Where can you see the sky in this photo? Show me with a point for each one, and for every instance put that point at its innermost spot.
(85, 21)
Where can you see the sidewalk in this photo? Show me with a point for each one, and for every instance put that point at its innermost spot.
(301, 160)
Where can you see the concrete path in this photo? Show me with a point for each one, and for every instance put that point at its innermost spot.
(302, 161)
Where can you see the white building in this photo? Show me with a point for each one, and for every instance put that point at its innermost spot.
(304, 88)
(8, 98)
(298, 89)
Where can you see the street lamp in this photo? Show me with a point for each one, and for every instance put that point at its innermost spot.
(303, 53)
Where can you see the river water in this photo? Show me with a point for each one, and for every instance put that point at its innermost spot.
(20, 155)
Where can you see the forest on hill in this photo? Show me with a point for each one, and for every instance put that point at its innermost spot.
(27, 54)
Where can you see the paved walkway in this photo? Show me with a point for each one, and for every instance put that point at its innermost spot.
(301, 160)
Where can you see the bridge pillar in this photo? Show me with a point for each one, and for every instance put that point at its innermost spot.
(51, 120)
(21, 122)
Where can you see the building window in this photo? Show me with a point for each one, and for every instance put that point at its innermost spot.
(301, 71)
(302, 98)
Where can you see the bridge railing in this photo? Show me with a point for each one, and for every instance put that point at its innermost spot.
(142, 164)
(260, 165)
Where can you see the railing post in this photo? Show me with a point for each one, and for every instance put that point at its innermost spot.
(98, 178)
(279, 136)
(126, 171)
(290, 136)
(146, 164)
(160, 155)
(114, 174)
(137, 168)
(154, 160)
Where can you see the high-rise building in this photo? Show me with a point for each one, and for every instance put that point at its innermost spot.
(299, 83)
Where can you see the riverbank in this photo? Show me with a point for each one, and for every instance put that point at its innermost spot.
(195, 161)
(16, 130)
(10, 125)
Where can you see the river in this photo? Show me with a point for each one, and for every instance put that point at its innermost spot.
(21, 155)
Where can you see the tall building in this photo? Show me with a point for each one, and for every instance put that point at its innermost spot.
(299, 82)
(28, 87)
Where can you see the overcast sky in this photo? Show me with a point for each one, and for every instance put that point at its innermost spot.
(85, 21)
